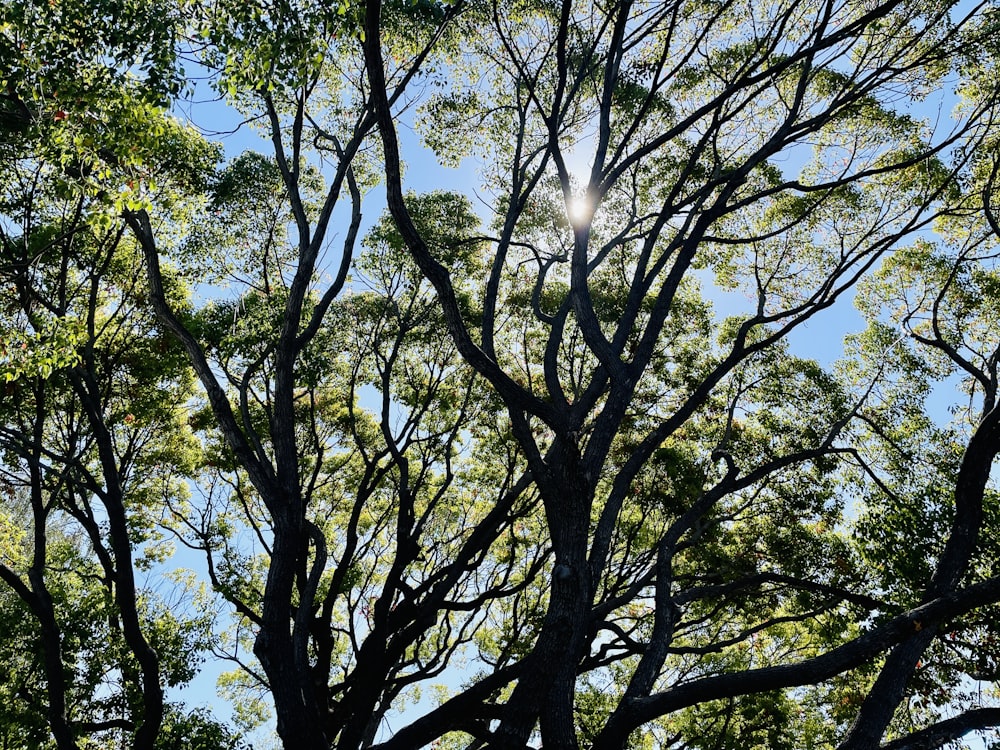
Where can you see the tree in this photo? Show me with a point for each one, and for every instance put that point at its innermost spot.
(92, 437)
(684, 112)
(523, 453)
(93, 433)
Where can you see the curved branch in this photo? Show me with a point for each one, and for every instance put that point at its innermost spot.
(937, 735)
(436, 273)
(261, 472)
(839, 660)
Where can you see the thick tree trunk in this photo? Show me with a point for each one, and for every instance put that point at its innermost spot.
(547, 689)
(298, 719)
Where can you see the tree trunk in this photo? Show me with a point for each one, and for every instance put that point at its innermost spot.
(547, 689)
(299, 724)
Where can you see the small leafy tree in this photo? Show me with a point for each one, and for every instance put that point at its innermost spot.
(93, 434)
(93, 438)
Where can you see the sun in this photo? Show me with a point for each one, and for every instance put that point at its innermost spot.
(579, 210)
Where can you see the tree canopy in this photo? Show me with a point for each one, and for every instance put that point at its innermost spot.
(661, 414)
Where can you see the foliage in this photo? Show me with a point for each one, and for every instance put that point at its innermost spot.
(546, 458)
